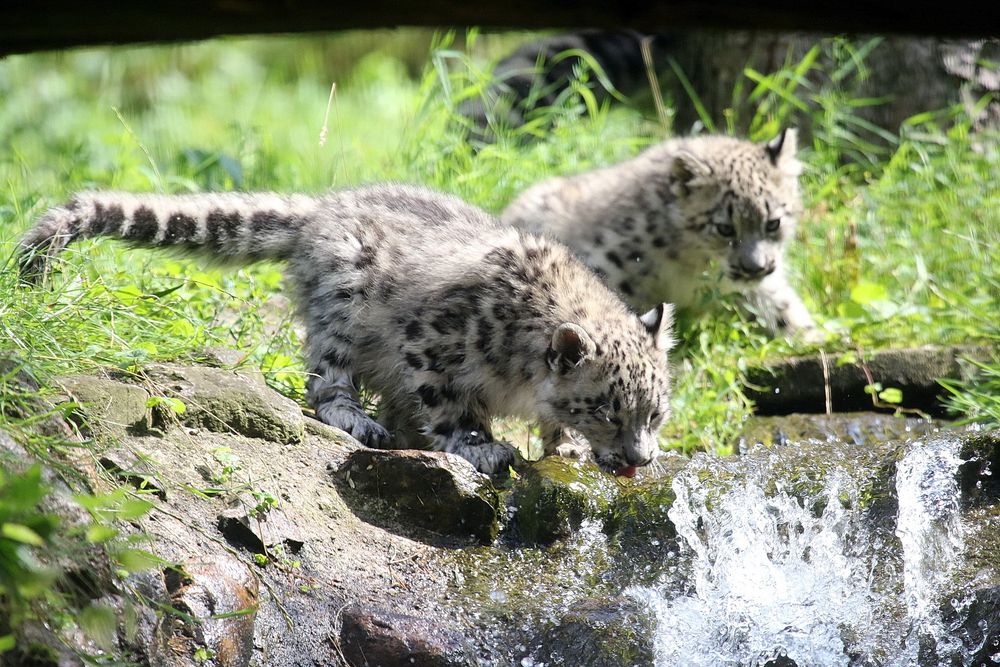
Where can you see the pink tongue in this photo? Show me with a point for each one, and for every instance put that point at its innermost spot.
(628, 471)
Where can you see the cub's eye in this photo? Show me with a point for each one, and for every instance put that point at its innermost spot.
(772, 225)
(725, 229)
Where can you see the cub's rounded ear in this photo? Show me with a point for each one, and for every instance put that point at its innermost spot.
(783, 147)
(659, 322)
(686, 168)
(571, 346)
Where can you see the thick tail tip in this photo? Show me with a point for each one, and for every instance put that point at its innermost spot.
(37, 251)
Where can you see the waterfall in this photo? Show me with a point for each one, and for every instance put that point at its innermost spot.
(782, 573)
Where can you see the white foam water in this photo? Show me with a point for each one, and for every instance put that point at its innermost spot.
(775, 580)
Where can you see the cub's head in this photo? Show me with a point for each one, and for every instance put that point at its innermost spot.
(738, 200)
(612, 384)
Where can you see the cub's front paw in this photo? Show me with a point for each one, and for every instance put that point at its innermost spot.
(357, 423)
(488, 456)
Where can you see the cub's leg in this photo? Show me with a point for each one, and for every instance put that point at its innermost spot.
(562, 441)
(463, 428)
(782, 308)
(331, 388)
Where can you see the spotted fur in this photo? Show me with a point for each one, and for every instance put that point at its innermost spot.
(452, 318)
(655, 225)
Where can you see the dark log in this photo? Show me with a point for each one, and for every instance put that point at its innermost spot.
(32, 25)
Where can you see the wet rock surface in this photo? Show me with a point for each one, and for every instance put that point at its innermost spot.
(437, 491)
(858, 428)
(599, 633)
(800, 384)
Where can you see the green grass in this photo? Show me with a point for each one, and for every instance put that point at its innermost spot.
(900, 244)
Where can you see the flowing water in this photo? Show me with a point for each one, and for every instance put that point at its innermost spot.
(778, 576)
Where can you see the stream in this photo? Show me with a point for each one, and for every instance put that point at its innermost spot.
(809, 553)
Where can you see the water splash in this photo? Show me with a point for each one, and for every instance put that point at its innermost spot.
(929, 529)
(782, 578)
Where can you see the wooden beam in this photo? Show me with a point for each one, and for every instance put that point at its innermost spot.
(33, 25)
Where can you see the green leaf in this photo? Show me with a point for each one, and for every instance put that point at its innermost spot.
(891, 395)
(847, 359)
(21, 533)
(175, 404)
(866, 292)
(130, 510)
(100, 624)
(7, 642)
(138, 560)
(98, 533)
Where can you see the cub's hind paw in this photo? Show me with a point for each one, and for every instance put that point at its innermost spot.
(354, 421)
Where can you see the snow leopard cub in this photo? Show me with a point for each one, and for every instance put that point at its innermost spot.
(654, 225)
(452, 318)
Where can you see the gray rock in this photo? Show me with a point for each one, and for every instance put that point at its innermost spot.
(130, 469)
(798, 384)
(434, 490)
(259, 529)
(380, 638)
(554, 496)
(228, 402)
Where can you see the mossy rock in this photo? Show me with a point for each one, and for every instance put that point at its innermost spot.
(108, 403)
(227, 401)
(434, 490)
(554, 496)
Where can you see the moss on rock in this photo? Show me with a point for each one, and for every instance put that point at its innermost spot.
(228, 402)
(554, 496)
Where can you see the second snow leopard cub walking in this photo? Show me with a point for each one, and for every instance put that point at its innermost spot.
(452, 318)
(654, 224)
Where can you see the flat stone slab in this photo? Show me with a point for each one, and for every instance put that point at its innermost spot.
(799, 384)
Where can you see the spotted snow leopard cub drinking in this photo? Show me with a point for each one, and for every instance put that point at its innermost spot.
(451, 317)
(654, 225)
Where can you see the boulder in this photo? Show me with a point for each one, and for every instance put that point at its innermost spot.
(379, 638)
(114, 405)
(437, 491)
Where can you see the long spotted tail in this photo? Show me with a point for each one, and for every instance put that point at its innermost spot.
(237, 226)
